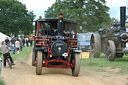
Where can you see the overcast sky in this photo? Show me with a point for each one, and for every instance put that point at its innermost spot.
(39, 6)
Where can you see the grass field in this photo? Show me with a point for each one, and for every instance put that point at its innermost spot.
(1, 82)
(23, 54)
(97, 64)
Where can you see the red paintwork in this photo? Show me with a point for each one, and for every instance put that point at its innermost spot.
(38, 28)
(65, 63)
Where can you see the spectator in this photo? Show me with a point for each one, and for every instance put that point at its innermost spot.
(23, 41)
(26, 42)
(19, 39)
(21, 45)
(5, 51)
(13, 41)
(17, 45)
(9, 45)
(13, 49)
(7, 41)
(30, 40)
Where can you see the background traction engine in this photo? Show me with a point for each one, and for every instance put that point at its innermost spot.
(111, 41)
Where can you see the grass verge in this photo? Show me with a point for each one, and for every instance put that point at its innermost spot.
(98, 64)
(23, 54)
(1, 82)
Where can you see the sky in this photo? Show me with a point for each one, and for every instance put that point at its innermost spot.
(39, 6)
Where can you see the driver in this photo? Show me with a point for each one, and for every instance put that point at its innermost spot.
(42, 29)
(54, 31)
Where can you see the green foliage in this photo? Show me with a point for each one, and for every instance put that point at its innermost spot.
(15, 18)
(114, 20)
(90, 14)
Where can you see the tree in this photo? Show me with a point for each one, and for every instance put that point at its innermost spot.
(90, 14)
(15, 18)
(114, 20)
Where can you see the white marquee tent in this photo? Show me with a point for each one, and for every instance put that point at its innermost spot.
(3, 37)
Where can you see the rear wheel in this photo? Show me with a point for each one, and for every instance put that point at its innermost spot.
(33, 58)
(39, 63)
(76, 60)
(110, 50)
(9, 63)
(119, 55)
(95, 47)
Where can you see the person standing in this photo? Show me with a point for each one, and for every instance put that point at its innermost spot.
(17, 45)
(13, 44)
(13, 41)
(23, 41)
(31, 41)
(26, 40)
(13, 49)
(7, 41)
(19, 39)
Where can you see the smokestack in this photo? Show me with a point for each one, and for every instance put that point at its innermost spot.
(60, 24)
(123, 17)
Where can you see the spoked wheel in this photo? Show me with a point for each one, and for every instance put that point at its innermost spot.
(110, 50)
(119, 55)
(33, 58)
(39, 63)
(9, 63)
(95, 47)
(76, 61)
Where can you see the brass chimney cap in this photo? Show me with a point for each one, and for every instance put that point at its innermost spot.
(40, 17)
(61, 15)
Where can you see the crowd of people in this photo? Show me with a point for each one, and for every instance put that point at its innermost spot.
(15, 45)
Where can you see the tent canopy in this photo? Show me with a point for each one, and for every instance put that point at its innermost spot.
(3, 37)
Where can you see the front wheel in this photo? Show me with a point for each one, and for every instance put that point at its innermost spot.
(110, 50)
(76, 60)
(39, 63)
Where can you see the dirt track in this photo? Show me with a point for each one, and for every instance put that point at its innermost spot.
(24, 74)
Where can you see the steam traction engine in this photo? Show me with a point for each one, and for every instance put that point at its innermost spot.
(56, 48)
(111, 41)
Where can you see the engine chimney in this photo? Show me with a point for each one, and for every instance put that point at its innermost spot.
(122, 17)
(60, 24)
